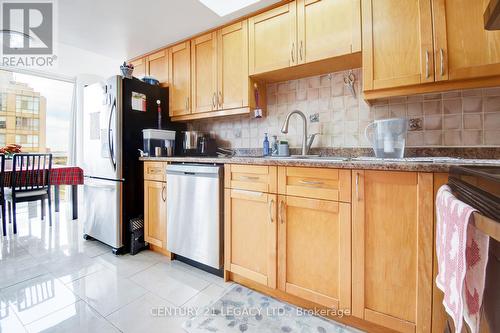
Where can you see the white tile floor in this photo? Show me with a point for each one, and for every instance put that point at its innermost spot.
(51, 280)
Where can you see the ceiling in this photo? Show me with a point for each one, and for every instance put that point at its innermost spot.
(122, 29)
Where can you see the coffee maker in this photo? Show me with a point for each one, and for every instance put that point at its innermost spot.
(195, 143)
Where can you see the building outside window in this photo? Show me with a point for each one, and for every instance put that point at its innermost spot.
(35, 113)
(3, 102)
(25, 120)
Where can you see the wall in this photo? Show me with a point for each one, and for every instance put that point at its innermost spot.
(452, 119)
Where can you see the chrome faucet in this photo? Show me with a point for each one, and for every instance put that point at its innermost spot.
(307, 141)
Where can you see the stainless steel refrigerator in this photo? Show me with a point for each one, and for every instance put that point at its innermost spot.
(115, 113)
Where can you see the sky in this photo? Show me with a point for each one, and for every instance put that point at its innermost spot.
(59, 95)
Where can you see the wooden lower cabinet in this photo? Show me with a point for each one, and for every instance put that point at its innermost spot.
(155, 213)
(372, 255)
(250, 235)
(392, 249)
(314, 250)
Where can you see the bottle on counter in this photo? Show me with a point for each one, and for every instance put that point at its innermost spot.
(265, 147)
(274, 145)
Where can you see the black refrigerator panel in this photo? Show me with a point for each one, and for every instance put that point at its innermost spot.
(140, 111)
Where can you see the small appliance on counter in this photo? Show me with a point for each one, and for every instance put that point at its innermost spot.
(387, 137)
(196, 143)
(189, 142)
(158, 143)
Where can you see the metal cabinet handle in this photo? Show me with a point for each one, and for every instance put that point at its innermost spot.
(187, 103)
(292, 52)
(281, 211)
(249, 178)
(163, 194)
(300, 50)
(214, 100)
(357, 186)
(220, 100)
(271, 203)
(310, 182)
(154, 171)
(427, 74)
(441, 54)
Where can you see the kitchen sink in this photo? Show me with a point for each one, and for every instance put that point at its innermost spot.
(310, 157)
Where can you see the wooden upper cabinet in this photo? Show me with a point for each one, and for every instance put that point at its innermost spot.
(140, 67)
(314, 240)
(179, 60)
(464, 49)
(272, 38)
(392, 249)
(327, 28)
(397, 43)
(233, 66)
(204, 73)
(155, 213)
(158, 65)
(250, 235)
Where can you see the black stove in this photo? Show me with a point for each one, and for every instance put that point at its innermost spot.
(478, 186)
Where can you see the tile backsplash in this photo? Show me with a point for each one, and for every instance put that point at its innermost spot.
(466, 118)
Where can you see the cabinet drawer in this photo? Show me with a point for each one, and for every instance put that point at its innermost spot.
(155, 171)
(251, 177)
(326, 184)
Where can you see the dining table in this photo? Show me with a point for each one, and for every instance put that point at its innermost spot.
(59, 175)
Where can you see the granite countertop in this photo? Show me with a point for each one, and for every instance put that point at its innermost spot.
(437, 164)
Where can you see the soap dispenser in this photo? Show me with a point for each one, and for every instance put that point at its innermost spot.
(265, 145)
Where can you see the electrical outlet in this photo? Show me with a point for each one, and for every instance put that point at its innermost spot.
(314, 118)
(415, 124)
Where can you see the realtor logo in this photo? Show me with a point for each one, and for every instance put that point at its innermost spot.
(27, 27)
(28, 33)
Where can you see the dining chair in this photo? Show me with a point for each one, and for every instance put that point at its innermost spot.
(30, 182)
(2, 193)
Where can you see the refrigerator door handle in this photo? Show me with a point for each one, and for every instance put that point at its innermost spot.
(110, 137)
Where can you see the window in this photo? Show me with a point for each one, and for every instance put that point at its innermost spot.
(25, 123)
(3, 102)
(2, 140)
(27, 104)
(40, 113)
(21, 139)
(3, 122)
(36, 105)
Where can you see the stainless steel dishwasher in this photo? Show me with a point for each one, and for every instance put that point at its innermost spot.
(195, 213)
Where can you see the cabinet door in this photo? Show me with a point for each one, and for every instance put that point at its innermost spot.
(272, 39)
(250, 235)
(328, 28)
(392, 249)
(204, 72)
(140, 68)
(315, 250)
(158, 66)
(233, 66)
(397, 43)
(179, 60)
(464, 49)
(155, 213)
